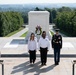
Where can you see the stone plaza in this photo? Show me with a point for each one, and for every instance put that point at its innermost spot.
(16, 58)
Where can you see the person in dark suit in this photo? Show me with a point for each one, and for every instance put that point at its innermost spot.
(44, 46)
(57, 45)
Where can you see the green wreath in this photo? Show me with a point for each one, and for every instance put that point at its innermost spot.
(38, 28)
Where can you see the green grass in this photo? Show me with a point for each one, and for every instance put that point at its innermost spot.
(51, 32)
(12, 33)
(24, 35)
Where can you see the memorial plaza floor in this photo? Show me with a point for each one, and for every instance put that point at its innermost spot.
(16, 58)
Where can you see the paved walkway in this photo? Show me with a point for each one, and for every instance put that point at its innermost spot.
(21, 66)
(26, 29)
(20, 33)
(17, 45)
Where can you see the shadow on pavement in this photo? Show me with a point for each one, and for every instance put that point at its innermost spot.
(27, 68)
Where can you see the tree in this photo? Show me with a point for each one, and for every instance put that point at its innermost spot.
(64, 9)
(53, 13)
(10, 21)
(66, 21)
(36, 9)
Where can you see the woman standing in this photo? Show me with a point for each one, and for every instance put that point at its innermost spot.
(32, 47)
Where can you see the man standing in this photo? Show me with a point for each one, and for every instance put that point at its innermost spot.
(57, 45)
(44, 46)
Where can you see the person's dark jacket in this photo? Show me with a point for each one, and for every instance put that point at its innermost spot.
(56, 41)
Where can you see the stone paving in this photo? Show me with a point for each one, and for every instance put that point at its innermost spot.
(17, 45)
(21, 66)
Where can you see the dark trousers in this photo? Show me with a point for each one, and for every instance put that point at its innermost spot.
(43, 54)
(32, 56)
(57, 55)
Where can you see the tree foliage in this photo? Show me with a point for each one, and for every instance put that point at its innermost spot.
(9, 22)
(66, 21)
(64, 18)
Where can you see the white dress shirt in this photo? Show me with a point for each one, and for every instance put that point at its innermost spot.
(44, 43)
(32, 44)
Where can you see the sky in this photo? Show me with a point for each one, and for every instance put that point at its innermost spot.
(35, 1)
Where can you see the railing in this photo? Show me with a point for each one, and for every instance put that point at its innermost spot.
(2, 64)
(73, 67)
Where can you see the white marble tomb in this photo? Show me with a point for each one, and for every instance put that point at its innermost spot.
(38, 18)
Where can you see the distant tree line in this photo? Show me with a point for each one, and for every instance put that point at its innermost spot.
(53, 13)
(9, 22)
(25, 17)
(64, 19)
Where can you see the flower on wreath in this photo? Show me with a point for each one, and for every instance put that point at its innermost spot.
(38, 30)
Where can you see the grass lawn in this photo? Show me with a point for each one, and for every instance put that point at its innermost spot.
(12, 33)
(51, 32)
(24, 35)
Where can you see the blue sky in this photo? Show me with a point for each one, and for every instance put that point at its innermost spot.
(35, 1)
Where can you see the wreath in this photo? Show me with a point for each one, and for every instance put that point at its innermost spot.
(38, 30)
